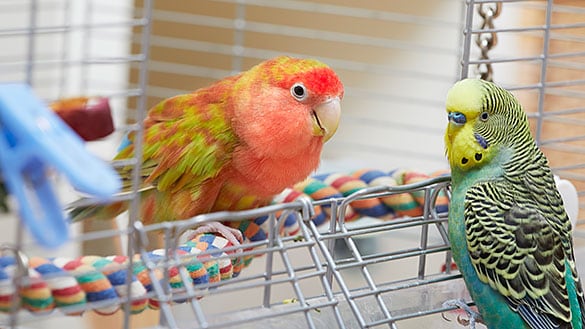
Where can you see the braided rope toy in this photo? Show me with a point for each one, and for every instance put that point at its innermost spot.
(339, 185)
(72, 284)
(100, 283)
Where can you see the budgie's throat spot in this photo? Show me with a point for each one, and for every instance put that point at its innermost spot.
(477, 157)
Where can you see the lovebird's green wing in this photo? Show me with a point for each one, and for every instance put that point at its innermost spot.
(183, 144)
(187, 143)
(519, 241)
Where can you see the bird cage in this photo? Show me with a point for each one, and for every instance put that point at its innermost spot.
(350, 257)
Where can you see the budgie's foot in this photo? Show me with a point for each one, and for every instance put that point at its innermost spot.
(474, 317)
(233, 235)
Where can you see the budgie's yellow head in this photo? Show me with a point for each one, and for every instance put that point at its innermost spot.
(483, 118)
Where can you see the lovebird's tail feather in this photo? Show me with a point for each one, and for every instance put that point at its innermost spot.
(78, 211)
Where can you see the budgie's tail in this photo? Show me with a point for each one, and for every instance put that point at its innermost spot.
(79, 210)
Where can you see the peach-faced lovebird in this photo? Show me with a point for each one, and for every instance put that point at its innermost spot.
(232, 145)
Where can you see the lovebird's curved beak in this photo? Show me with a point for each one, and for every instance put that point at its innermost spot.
(326, 118)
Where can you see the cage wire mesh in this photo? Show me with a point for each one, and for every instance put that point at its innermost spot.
(396, 60)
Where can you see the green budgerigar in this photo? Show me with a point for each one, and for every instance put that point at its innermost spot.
(509, 232)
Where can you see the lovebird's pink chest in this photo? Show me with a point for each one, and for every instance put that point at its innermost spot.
(252, 181)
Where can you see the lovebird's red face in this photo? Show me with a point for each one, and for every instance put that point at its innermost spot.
(319, 91)
(290, 103)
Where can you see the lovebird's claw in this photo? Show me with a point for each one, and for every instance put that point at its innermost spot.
(474, 317)
(233, 235)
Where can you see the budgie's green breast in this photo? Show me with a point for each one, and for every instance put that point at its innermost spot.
(492, 305)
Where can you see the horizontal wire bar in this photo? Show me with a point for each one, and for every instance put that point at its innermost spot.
(213, 73)
(570, 167)
(551, 91)
(404, 284)
(291, 31)
(567, 121)
(530, 29)
(572, 176)
(102, 234)
(396, 256)
(229, 50)
(187, 69)
(498, 1)
(52, 5)
(534, 59)
(566, 54)
(68, 28)
(355, 12)
(564, 147)
(567, 65)
(41, 64)
(576, 110)
(382, 227)
(411, 315)
(566, 37)
(506, 60)
(564, 83)
(563, 140)
(568, 9)
(273, 314)
(566, 93)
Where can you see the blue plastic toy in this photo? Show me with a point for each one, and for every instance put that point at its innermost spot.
(32, 140)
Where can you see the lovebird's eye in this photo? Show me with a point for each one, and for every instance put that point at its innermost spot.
(484, 116)
(457, 118)
(299, 91)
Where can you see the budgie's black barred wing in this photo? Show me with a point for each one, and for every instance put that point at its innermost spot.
(520, 246)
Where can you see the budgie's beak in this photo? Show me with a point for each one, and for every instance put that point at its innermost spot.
(326, 118)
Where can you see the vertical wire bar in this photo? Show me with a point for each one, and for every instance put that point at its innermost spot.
(29, 79)
(238, 47)
(86, 46)
(460, 40)
(32, 25)
(443, 231)
(368, 278)
(17, 278)
(133, 210)
(366, 274)
(424, 235)
(331, 242)
(543, 70)
(344, 288)
(167, 320)
(325, 281)
(193, 302)
(189, 288)
(269, 261)
(291, 270)
(65, 57)
(467, 39)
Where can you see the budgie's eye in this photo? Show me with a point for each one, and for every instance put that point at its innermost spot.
(484, 116)
(299, 91)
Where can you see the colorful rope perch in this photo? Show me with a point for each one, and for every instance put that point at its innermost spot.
(339, 185)
(100, 283)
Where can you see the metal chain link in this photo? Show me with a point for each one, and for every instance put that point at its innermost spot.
(487, 40)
